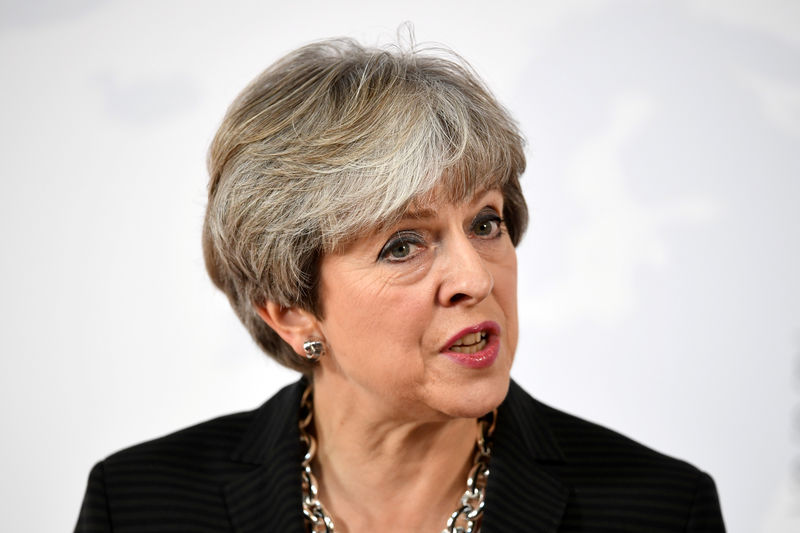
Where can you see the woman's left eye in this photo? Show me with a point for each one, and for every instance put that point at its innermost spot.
(487, 225)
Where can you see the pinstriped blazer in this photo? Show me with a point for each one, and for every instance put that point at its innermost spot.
(550, 472)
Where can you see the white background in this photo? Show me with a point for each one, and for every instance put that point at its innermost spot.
(659, 287)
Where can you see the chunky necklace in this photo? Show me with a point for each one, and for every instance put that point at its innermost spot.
(465, 519)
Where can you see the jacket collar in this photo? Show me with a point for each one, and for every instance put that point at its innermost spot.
(521, 495)
(267, 495)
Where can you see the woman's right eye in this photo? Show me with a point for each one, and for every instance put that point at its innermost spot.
(400, 248)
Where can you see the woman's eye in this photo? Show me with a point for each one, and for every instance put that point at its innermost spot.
(487, 225)
(399, 249)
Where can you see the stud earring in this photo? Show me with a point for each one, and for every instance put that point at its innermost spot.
(314, 350)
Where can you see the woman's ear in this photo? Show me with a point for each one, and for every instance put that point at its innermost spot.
(293, 324)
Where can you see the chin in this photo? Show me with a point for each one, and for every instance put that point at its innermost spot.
(480, 397)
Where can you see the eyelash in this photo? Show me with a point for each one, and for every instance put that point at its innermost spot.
(414, 239)
(489, 216)
(398, 239)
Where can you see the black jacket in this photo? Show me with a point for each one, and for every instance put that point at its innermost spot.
(550, 472)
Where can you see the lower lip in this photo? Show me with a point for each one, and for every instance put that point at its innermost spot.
(481, 359)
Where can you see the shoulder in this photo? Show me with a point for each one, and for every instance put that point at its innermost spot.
(580, 441)
(170, 480)
(211, 442)
(608, 476)
(180, 480)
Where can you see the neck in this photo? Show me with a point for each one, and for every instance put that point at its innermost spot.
(376, 465)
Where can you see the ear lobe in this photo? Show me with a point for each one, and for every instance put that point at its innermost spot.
(293, 324)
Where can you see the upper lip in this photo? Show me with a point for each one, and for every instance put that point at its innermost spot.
(489, 326)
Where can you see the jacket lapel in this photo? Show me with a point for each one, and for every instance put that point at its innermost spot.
(266, 494)
(521, 495)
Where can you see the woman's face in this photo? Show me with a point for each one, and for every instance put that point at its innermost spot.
(422, 318)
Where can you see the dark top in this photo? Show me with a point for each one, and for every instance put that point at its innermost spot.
(550, 471)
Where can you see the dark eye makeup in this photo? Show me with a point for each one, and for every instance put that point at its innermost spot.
(400, 246)
(487, 224)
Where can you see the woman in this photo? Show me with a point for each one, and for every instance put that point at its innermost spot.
(364, 208)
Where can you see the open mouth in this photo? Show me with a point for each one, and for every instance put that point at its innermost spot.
(471, 343)
(475, 346)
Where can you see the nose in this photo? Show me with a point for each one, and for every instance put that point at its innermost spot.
(465, 279)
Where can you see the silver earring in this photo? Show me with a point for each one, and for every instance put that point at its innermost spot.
(314, 350)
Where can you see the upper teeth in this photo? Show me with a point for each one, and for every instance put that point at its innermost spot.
(470, 338)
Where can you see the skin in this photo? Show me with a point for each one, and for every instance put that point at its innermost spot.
(395, 419)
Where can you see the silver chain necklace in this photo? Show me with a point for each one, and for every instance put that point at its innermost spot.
(465, 519)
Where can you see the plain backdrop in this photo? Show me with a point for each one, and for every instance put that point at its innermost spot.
(658, 282)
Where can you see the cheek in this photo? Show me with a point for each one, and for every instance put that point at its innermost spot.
(506, 290)
(369, 322)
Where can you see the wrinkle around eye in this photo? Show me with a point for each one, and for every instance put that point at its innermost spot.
(407, 238)
(409, 271)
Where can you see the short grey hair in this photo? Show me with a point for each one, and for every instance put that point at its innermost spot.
(333, 141)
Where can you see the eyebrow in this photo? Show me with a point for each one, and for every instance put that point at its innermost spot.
(419, 214)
